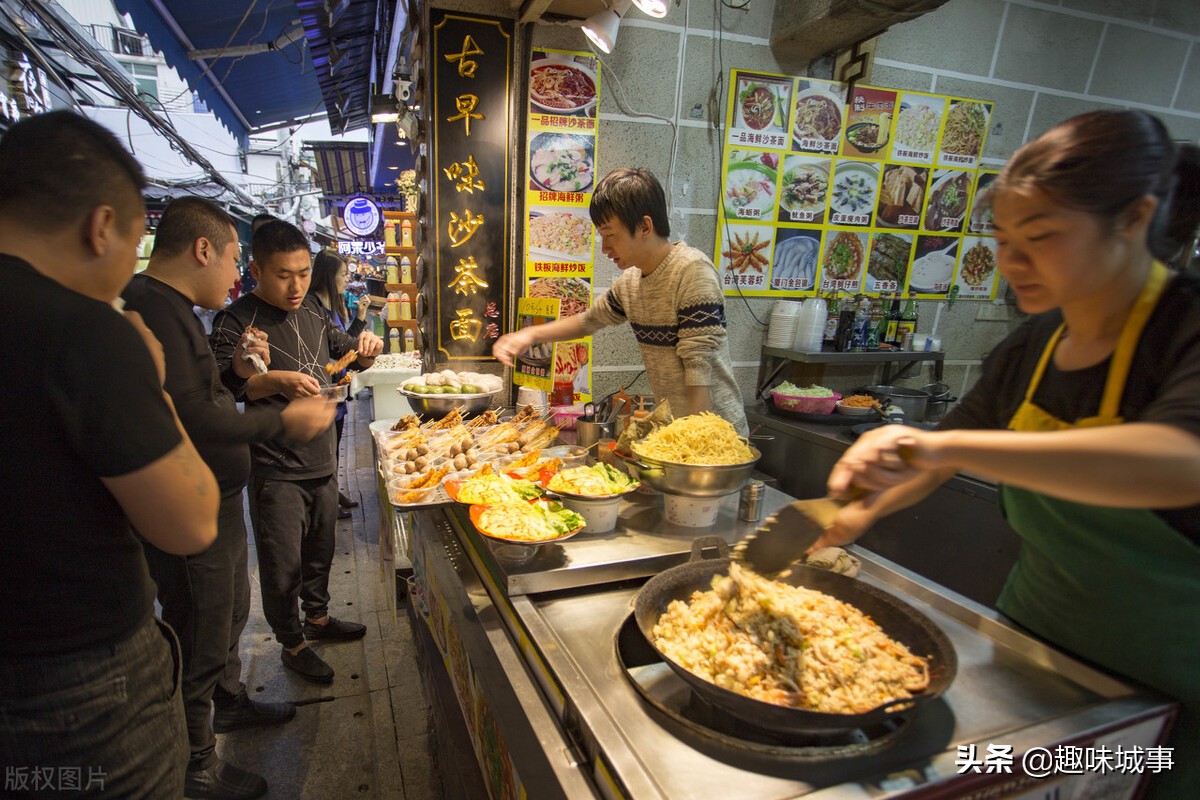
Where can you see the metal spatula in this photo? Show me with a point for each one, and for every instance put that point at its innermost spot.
(786, 535)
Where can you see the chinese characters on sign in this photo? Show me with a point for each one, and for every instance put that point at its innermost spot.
(471, 154)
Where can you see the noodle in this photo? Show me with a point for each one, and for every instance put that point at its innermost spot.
(702, 438)
(572, 294)
(965, 127)
(817, 116)
(561, 87)
(788, 645)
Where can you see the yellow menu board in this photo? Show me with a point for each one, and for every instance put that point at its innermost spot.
(564, 99)
(873, 191)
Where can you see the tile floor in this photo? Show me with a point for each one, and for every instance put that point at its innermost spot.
(367, 735)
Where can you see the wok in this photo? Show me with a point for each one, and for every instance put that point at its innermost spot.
(897, 619)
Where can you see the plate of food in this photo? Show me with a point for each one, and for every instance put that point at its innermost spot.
(561, 162)
(804, 189)
(573, 294)
(858, 405)
(561, 87)
(749, 187)
(978, 265)
(560, 235)
(818, 116)
(888, 261)
(868, 137)
(487, 487)
(853, 188)
(526, 523)
(598, 482)
(966, 127)
(843, 256)
(947, 202)
(760, 107)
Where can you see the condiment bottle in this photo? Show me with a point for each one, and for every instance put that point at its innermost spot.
(750, 502)
(908, 319)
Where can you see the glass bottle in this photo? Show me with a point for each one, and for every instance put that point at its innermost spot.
(892, 322)
(908, 318)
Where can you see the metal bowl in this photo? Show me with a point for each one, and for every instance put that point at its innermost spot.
(439, 405)
(692, 480)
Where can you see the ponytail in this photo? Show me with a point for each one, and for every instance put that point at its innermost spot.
(1181, 212)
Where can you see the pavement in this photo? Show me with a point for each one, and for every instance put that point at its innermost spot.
(368, 734)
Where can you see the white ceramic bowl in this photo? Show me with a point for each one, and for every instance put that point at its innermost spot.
(599, 515)
(691, 512)
(854, 411)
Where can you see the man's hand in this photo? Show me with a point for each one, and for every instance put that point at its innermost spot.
(369, 345)
(364, 305)
(243, 367)
(293, 384)
(151, 342)
(307, 417)
(511, 345)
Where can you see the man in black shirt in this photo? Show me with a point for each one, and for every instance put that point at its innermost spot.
(293, 486)
(88, 684)
(206, 598)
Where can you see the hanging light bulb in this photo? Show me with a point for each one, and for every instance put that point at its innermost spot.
(652, 8)
(602, 27)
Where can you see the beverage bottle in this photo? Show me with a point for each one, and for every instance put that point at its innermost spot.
(862, 322)
(410, 341)
(393, 341)
(845, 327)
(406, 233)
(406, 273)
(908, 318)
(829, 340)
(892, 322)
(393, 272)
(389, 235)
(877, 325)
(393, 306)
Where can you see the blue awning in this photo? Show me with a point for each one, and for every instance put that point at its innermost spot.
(246, 92)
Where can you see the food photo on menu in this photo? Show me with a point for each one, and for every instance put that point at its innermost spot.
(901, 196)
(947, 207)
(562, 162)
(574, 295)
(933, 264)
(868, 131)
(804, 189)
(843, 259)
(560, 234)
(852, 193)
(977, 268)
(746, 256)
(981, 204)
(887, 265)
(750, 184)
(794, 266)
(760, 108)
(917, 125)
(562, 84)
(964, 132)
(818, 121)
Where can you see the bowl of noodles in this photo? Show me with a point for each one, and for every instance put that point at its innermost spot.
(966, 126)
(559, 87)
(700, 455)
(818, 117)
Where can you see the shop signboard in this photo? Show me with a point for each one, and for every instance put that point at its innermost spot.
(564, 98)
(361, 216)
(534, 367)
(874, 191)
(470, 119)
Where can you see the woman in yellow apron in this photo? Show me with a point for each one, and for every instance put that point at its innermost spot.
(1088, 415)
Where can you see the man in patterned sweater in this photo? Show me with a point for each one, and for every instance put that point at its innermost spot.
(667, 291)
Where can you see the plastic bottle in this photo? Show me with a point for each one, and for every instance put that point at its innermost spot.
(406, 272)
(393, 272)
(410, 341)
(406, 233)
(845, 326)
(393, 306)
(878, 324)
(405, 306)
(862, 322)
(393, 341)
(389, 235)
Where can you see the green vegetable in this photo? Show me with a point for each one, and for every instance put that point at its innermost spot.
(528, 490)
(413, 387)
(562, 520)
(618, 482)
(470, 388)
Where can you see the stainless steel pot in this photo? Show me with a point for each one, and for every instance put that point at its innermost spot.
(913, 402)
(693, 480)
(939, 401)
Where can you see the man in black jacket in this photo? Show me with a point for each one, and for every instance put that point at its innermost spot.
(206, 597)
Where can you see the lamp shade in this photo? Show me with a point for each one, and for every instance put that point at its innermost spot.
(384, 108)
(652, 8)
(602, 27)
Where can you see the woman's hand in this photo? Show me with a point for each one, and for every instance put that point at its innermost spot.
(369, 345)
(885, 457)
(364, 305)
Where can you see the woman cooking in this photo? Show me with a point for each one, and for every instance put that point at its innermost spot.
(1088, 415)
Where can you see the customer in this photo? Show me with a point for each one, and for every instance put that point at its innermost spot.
(667, 291)
(89, 680)
(330, 276)
(206, 597)
(1088, 415)
(293, 487)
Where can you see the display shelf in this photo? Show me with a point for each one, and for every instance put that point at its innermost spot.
(403, 323)
(895, 362)
(411, 288)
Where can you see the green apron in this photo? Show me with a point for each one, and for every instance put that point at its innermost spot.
(1119, 587)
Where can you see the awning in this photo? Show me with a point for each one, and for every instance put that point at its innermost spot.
(257, 71)
(342, 168)
(341, 51)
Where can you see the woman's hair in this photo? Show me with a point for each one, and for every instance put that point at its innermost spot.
(326, 267)
(628, 195)
(1102, 161)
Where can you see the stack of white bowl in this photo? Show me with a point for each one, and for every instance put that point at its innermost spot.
(810, 325)
(781, 331)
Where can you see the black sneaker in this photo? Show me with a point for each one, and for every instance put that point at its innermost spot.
(307, 665)
(246, 713)
(335, 630)
(223, 781)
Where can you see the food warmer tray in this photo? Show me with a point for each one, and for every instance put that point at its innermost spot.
(642, 544)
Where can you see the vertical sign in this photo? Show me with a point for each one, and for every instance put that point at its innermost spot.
(564, 97)
(471, 65)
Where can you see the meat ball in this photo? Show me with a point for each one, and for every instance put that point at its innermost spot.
(460, 462)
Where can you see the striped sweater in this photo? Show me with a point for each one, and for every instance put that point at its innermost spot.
(678, 316)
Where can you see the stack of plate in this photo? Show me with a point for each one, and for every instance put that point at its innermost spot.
(781, 332)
